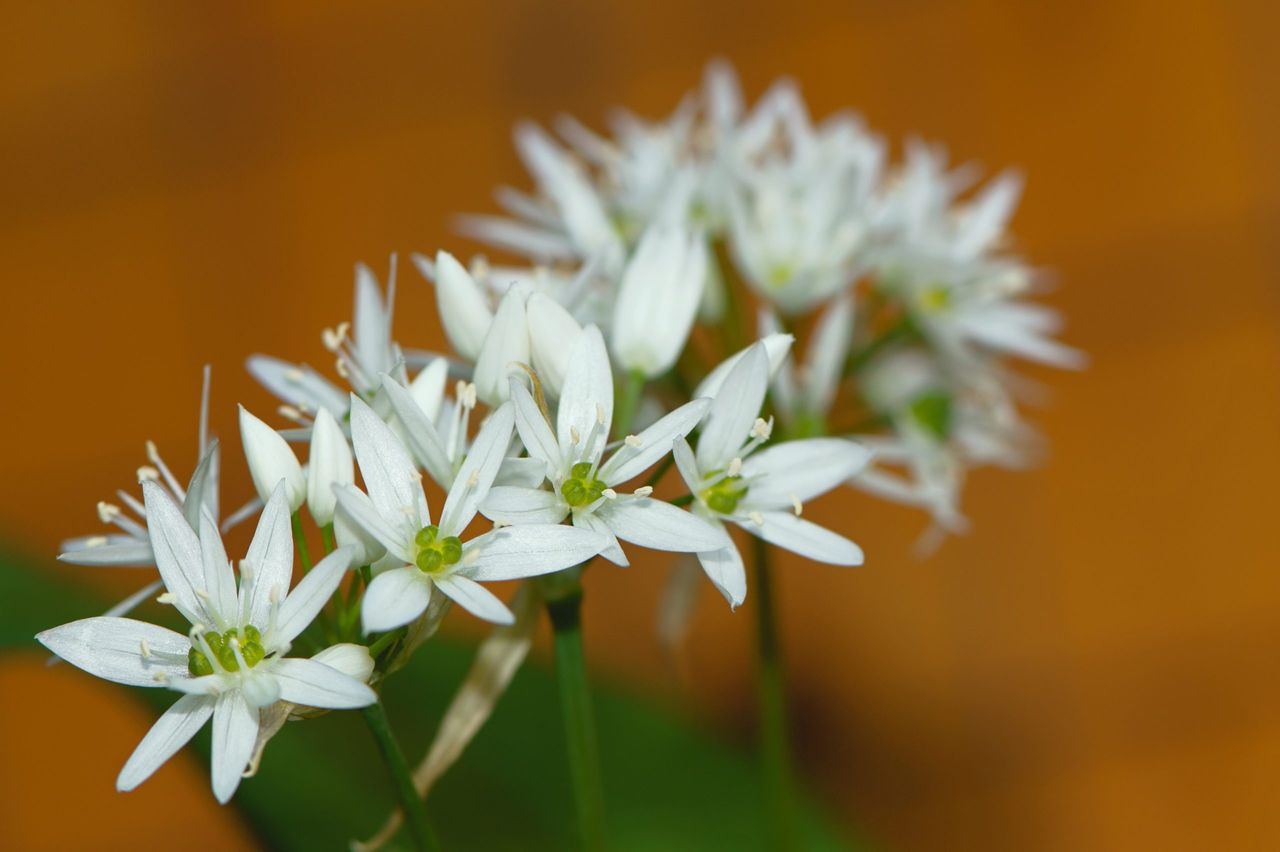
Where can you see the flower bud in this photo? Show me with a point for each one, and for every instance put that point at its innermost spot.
(506, 343)
(271, 460)
(464, 310)
(330, 464)
(350, 659)
(658, 298)
(552, 332)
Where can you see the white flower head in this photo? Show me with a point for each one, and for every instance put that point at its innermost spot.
(232, 664)
(271, 461)
(584, 488)
(762, 492)
(433, 556)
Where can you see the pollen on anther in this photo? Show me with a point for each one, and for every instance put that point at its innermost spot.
(166, 599)
(600, 414)
(609, 494)
(735, 467)
(293, 374)
(796, 505)
(756, 518)
(633, 441)
(147, 473)
(144, 649)
(762, 428)
(644, 491)
(574, 437)
(107, 511)
(96, 541)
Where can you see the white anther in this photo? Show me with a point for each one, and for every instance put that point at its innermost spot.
(735, 467)
(96, 541)
(152, 452)
(762, 428)
(600, 414)
(474, 479)
(290, 412)
(202, 594)
(161, 677)
(332, 337)
(293, 374)
(470, 556)
(166, 599)
(147, 473)
(574, 437)
(497, 525)
(644, 491)
(609, 494)
(756, 518)
(341, 366)
(796, 505)
(633, 441)
(144, 649)
(107, 512)
(466, 394)
(246, 571)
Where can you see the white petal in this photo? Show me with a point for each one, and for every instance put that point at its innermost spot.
(658, 298)
(355, 505)
(427, 388)
(507, 342)
(612, 550)
(113, 649)
(172, 731)
(510, 553)
(271, 460)
(349, 658)
(371, 324)
(658, 525)
(177, 551)
(315, 684)
(735, 409)
(269, 560)
(298, 384)
(202, 490)
(687, 465)
(535, 432)
(776, 345)
(654, 443)
(219, 579)
(805, 538)
(394, 598)
(464, 311)
(827, 351)
(309, 597)
(519, 473)
(513, 505)
(552, 334)
(725, 570)
(586, 400)
(475, 598)
(393, 483)
(420, 432)
(330, 463)
(801, 470)
(235, 730)
(126, 552)
(477, 473)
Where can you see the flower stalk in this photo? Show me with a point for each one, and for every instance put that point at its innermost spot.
(775, 752)
(564, 607)
(424, 838)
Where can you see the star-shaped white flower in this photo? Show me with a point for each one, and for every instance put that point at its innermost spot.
(433, 556)
(232, 665)
(763, 493)
(584, 487)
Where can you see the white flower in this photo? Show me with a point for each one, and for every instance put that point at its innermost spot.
(271, 461)
(232, 665)
(776, 346)
(583, 487)
(763, 493)
(433, 557)
(505, 344)
(552, 333)
(803, 394)
(658, 299)
(329, 464)
(461, 303)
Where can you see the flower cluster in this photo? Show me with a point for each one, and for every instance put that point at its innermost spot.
(664, 273)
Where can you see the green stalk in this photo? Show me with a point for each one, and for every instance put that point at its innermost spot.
(326, 537)
(775, 753)
(625, 411)
(300, 539)
(564, 606)
(424, 838)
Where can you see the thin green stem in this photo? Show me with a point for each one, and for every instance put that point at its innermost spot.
(300, 539)
(424, 837)
(384, 641)
(775, 754)
(326, 537)
(625, 411)
(682, 500)
(564, 606)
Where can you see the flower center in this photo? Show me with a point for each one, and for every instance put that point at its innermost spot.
(932, 412)
(935, 298)
(220, 645)
(435, 552)
(582, 488)
(723, 497)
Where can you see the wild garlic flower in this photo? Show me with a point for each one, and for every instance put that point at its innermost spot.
(433, 556)
(582, 487)
(764, 492)
(803, 393)
(232, 664)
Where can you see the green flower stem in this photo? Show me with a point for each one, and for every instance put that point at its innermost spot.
(300, 539)
(564, 606)
(326, 536)
(775, 753)
(625, 411)
(904, 329)
(384, 641)
(424, 837)
(682, 500)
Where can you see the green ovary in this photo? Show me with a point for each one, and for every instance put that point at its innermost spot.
(220, 645)
(435, 552)
(932, 411)
(582, 488)
(723, 497)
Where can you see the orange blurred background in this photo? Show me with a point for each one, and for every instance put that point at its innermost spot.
(1093, 667)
